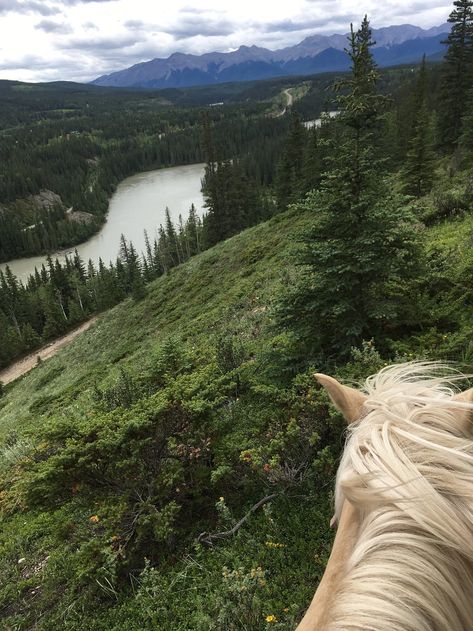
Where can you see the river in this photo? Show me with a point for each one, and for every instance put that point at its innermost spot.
(138, 204)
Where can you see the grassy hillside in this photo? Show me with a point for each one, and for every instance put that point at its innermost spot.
(165, 420)
(174, 416)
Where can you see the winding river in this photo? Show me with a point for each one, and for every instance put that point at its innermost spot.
(138, 204)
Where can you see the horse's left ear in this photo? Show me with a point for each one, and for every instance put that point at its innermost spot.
(465, 416)
(347, 400)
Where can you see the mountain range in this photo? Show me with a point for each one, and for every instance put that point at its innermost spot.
(315, 54)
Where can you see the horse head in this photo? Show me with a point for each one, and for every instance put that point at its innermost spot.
(403, 553)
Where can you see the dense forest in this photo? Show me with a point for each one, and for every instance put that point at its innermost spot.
(275, 161)
(91, 139)
(91, 147)
(172, 469)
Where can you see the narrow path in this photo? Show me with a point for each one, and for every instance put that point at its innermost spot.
(290, 101)
(290, 97)
(24, 365)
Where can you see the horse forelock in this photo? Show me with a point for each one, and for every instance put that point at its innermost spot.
(408, 469)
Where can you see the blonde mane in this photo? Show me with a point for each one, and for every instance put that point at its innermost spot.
(408, 468)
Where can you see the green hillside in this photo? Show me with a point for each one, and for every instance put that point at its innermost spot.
(174, 416)
(177, 392)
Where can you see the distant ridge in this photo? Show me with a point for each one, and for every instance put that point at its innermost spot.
(316, 53)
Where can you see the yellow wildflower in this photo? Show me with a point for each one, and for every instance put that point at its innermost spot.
(271, 618)
(94, 519)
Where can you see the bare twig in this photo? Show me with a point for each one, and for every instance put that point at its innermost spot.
(208, 538)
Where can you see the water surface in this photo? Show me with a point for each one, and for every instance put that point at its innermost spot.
(138, 204)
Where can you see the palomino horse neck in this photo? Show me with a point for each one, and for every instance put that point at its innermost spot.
(317, 615)
(409, 463)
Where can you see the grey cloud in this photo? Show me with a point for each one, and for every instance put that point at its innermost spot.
(192, 27)
(90, 26)
(99, 43)
(135, 24)
(412, 11)
(49, 26)
(28, 62)
(289, 26)
(421, 5)
(26, 6)
(196, 10)
(74, 2)
(62, 68)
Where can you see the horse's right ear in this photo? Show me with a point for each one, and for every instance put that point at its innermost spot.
(347, 400)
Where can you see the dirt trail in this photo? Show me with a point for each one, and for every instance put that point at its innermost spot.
(24, 365)
(290, 101)
(290, 98)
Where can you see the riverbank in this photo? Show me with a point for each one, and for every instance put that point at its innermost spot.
(138, 203)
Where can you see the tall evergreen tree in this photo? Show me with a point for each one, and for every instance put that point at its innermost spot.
(457, 74)
(312, 164)
(289, 171)
(418, 173)
(232, 200)
(360, 248)
(172, 239)
(466, 139)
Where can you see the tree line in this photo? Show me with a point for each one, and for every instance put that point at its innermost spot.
(362, 259)
(83, 157)
(59, 296)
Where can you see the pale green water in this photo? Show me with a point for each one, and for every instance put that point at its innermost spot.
(137, 205)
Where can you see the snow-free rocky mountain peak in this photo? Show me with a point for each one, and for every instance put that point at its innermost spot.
(317, 53)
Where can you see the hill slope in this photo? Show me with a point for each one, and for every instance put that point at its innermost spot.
(118, 449)
(172, 417)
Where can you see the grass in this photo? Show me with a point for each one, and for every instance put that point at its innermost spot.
(229, 282)
(229, 287)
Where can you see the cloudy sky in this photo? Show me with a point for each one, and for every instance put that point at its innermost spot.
(77, 40)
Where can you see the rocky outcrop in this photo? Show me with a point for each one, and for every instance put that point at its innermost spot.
(79, 216)
(45, 200)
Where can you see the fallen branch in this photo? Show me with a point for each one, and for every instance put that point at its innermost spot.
(208, 538)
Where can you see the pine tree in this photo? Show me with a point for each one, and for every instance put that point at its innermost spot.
(162, 254)
(289, 171)
(30, 338)
(193, 230)
(213, 188)
(232, 199)
(361, 247)
(172, 239)
(55, 320)
(418, 173)
(457, 74)
(466, 139)
(135, 281)
(312, 164)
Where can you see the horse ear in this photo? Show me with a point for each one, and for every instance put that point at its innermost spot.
(465, 416)
(347, 400)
